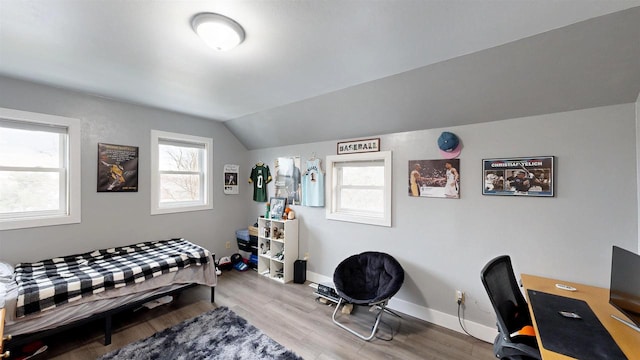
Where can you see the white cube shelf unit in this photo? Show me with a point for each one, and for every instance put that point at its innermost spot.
(277, 248)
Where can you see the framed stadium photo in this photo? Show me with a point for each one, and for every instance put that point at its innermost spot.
(525, 176)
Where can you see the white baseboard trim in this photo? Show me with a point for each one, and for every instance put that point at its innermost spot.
(318, 278)
(448, 321)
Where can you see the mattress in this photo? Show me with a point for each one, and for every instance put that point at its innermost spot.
(95, 304)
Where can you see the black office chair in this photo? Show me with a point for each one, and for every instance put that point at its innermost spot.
(371, 279)
(511, 310)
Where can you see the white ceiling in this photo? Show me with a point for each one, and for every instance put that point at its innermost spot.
(146, 52)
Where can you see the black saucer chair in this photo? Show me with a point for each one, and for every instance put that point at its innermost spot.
(511, 310)
(369, 279)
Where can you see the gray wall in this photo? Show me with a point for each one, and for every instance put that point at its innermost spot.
(638, 160)
(443, 243)
(111, 219)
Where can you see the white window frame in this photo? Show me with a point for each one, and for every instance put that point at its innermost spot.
(333, 202)
(70, 190)
(206, 202)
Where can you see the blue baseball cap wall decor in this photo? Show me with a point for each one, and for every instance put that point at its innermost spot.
(449, 144)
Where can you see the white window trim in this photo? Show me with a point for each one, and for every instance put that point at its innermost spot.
(332, 212)
(156, 209)
(72, 214)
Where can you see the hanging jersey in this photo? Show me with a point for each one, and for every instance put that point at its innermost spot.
(313, 184)
(260, 177)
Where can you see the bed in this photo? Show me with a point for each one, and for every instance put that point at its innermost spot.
(36, 308)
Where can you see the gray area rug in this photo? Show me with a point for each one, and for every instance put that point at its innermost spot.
(217, 334)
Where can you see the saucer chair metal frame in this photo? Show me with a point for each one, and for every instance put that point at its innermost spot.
(370, 279)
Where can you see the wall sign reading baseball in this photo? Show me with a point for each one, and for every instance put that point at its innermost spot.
(526, 176)
(359, 146)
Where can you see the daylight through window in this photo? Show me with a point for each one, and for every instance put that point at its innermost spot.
(360, 188)
(39, 171)
(183, 173)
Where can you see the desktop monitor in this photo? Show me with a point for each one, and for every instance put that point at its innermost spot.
(625, 284)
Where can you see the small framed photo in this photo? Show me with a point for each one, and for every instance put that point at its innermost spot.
(278, 204)
(525, 176)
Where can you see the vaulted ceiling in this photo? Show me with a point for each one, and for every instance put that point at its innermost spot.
(334, 69)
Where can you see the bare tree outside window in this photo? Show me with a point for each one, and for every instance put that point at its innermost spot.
(180, 173)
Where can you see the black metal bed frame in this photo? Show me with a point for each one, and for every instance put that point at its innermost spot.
(17, 341)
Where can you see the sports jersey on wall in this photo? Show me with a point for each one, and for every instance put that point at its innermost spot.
(313, 184)
(260, 177)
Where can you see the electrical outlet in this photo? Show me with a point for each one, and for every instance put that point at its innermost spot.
(228, 245)
(460, 297)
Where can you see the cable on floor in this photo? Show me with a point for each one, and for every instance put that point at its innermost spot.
(462, 326)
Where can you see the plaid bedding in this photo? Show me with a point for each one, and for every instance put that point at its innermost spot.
(47, 284)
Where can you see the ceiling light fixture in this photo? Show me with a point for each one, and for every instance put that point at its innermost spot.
(218, 31)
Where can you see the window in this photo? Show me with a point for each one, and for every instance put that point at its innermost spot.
(359, 188)
(182, 176)
(39, 170)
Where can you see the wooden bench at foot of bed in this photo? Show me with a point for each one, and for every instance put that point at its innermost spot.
(18, 341)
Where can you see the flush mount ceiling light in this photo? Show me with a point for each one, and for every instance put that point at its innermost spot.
(218, 31)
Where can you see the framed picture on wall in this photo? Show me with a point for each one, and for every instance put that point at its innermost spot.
(434, 178)
(288, 177)
(117, 168)
(524, 176)
(231, 179)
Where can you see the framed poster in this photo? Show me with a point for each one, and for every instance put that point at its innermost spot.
(525, 176)
(288, 175)
(117, 168)
(435, 178)
(231, 179)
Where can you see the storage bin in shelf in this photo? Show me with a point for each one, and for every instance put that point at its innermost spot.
(277, 248)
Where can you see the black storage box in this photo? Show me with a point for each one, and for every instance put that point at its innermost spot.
(246, 242)
(299, 271)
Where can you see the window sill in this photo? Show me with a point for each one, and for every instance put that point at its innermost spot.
(367, 220)
(171, 210)
(24, 223)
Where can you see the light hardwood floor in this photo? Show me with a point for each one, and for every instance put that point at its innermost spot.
(287, 313)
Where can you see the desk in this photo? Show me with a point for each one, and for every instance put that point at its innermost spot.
(598, 299)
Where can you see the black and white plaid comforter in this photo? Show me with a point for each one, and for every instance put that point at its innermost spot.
(46, 284)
